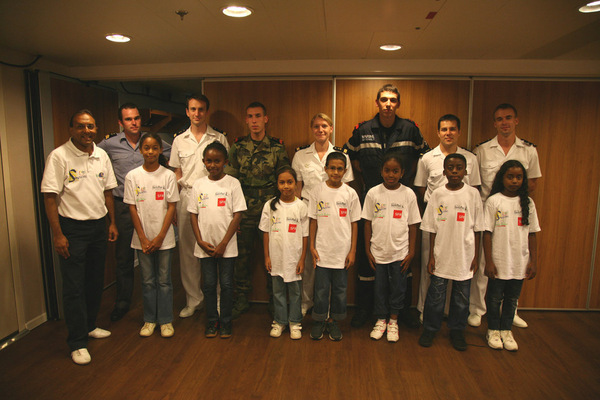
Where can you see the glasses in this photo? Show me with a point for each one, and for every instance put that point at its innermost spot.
(81, 127)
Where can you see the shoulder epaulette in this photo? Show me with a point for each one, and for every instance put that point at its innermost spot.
(302, 147)
(341, 149)
(411, 121)
(111, 135)
(427, 151)
(528, 143)
(359, 124)
(485, 141)
(237, 139)
(276, 140)
(464, 148)
(180, 132)
(218, 130)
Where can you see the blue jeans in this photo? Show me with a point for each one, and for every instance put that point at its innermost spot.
(218, 270)
(433, 312)
(390, 289)
(157, 288)
(294, 289)
(327, 279)
(505, 293)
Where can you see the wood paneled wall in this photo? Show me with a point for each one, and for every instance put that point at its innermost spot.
(562, 119)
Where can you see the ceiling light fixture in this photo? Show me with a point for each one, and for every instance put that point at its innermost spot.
(594, 6)
(237, 11)
(390, 47)
(118, 38)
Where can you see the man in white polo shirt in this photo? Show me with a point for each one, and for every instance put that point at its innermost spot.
(77, 186)
(186, 158)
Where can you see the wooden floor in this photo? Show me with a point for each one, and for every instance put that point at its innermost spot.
(559, 358)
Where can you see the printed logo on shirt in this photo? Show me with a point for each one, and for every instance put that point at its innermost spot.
(140, 193)
(397, 214)
(221, 202)
(519, 221)
(379, 210)
(343, 212)
(101, 175)
(501, 218)
(460, 216)
(202, 200)
(292, 228)
(75, 175)
(441, 213)
(323, 209)
(160, 195)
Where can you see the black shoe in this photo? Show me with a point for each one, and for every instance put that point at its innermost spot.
(118, 313)
(408, 318)
(225, 331)
(335, 333)
(212, 328)
(426, 339)
(457, 337)
(316, 333)
(360, 317)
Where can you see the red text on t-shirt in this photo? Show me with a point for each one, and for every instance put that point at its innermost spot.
(460, 216)
(160, 195)
(221, 202)
(343, 212)
(292, 228)
(398, 214)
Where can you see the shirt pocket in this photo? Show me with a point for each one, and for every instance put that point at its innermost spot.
(489, 170)
(185, 158)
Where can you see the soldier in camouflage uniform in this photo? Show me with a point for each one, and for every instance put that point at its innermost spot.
(253, 159)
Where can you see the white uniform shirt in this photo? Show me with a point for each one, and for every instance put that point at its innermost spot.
(151, 192)
(454, 216)
(79, 179)
(510, 239)
(491, 157)
(215, 202)
(334, 210)
(186, 153)
(311, 170)
(390, 213)
(430, 170)
(286, 226)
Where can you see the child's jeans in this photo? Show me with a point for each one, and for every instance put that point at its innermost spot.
(218, 270)
(505, 293)
(327, 279)
(157, 288)
(294, 289)
(433, 312)
(390, 289)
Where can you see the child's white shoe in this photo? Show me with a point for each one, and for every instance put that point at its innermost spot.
(276, 329)
(392, 332)
(493, 339)
(295, 331)
(378, 329)
(509, 341)
(147, 329)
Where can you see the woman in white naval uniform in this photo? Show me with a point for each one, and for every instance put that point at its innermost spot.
(309, 164)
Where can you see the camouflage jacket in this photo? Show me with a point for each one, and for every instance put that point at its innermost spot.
(255, 166)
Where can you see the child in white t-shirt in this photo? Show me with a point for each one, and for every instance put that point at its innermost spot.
(151, 192)
(334, 210)
(215, 205)
(391, 216)
(510, 250)
(284, 221)
(453, 215)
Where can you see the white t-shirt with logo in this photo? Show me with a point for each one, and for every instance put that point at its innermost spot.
(150, 192)
(390, 213)
(510, 239)
(335, 210)
(454, 216)
(286, 226)
(215, 202)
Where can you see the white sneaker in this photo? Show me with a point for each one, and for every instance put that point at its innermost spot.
(81, 356)
(99, 333)
(519, 322)
(166, 330)
(276, 329)
(392, 332)
(147, 329)
(378, 329)
(187, 311)
(509, 341)
(474, 320)
(295, 331)
(493, 339)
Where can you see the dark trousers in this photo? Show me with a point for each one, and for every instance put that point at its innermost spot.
(503, 293)
(433, 312)
(83, 277)
(123, 254)
(218, 271)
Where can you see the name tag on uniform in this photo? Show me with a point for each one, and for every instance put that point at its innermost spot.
(221, 202)
(397, 214)
(343, 212)
(460, 217)
(160, 195)
(292, 228)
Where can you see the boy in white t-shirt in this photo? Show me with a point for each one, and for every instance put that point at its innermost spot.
(334, 210)
(215, 206)
(453, 215)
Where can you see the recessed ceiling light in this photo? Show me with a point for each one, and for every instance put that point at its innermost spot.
(390, 47)
(237, 11)
(594, 6)
(118, 38)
